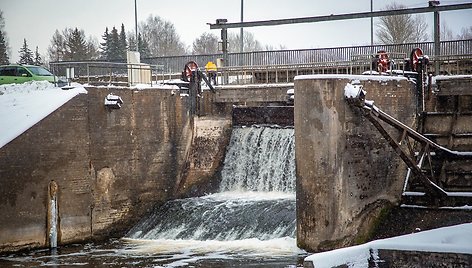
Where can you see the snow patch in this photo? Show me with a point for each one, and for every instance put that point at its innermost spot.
(380, 78)
(455, 239)
(23, 105)
(353, 90)
(448, 77)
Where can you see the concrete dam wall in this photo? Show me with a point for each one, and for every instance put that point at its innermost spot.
(346, 172)
(110, 166)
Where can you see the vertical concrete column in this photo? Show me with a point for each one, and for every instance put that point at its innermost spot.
(346, 172)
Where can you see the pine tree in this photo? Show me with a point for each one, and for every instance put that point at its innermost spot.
(4, 47)
(38, 61)
(76, 46)
(131, 42)
(105, 45)
(113, 46)
(26, 56)
(123, 46)
(143, 47)
(3, 50)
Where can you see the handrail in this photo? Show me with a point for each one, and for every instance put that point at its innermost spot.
(353, 60)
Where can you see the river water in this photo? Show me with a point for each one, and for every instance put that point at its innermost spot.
(250, 222)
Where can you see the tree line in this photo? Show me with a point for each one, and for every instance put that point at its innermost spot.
(158, 37)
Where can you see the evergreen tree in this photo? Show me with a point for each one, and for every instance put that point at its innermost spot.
(4, 47)
(26, 56)
(72, 45)
(38, 61)
(3, 50)
(123, 46)
(92, 48)
(131, 42)
(76, 46)
(114, 46)
(143, 48)
(104, 46)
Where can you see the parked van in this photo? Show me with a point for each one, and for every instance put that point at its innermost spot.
(17, 74)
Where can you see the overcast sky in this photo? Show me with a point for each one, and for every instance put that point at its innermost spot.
(37, 20)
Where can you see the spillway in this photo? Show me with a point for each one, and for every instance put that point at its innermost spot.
(253, 213)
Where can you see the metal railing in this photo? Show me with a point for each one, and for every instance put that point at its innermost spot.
(104, 73)
(302, 56)
(281, 66)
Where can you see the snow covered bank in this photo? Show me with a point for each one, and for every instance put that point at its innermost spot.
(453, 239)
(23, 105)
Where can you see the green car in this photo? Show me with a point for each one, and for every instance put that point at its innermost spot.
(16, 74)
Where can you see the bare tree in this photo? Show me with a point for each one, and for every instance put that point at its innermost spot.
(466, 33)
(399, 29)
(271, 47)
(58, 45)
(162, 37)
(71, 44)
(207, 43)
(249, 43)
(446, 32)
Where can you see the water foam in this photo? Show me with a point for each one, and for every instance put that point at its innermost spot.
(252, 215)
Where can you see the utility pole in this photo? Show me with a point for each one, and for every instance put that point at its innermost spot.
(136, 24)
(371, 34)
(437, 37)
(371, 23)
(241, 48)
(224, 45)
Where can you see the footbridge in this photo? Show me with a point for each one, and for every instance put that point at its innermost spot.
(281, 66)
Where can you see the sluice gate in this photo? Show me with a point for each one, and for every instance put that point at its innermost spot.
(437, 175)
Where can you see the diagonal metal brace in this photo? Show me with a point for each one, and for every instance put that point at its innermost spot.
(431, 187)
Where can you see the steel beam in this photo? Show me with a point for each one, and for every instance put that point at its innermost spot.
(349, 16)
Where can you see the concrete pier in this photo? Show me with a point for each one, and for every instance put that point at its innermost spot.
(346, 172)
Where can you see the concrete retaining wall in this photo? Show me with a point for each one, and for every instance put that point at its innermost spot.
(397, 258)
(346, 172)
(111, 165)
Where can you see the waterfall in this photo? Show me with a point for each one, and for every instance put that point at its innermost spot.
(253, 212)
(260, 159)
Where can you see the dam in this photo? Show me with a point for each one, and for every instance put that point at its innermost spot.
(115, 167)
